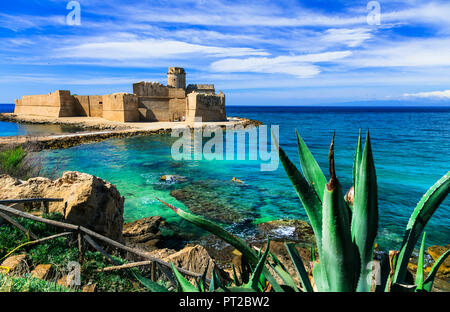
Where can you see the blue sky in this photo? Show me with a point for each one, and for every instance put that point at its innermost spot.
(258, 52)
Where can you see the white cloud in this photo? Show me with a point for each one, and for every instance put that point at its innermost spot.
(150, 49)
(433, 94)
(301, 66)
(406, 53)
(352, 37)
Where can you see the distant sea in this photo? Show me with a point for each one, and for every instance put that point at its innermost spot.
(411, 149)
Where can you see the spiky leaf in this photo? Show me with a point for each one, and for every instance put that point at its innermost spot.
(233, 240)
(428, 284)
(364, 225)
(337, 247)
(419, 273)
(310, 200)
(183, 283)
(419, 219)
(299, 267)
(310, 167)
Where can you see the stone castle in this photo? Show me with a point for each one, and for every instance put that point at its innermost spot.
(150, 101)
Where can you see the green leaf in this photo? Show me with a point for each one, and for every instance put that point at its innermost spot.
(308, 196)
(282, 272)
(148, 283)
(310, 167)
(320, 277)
(419, 219)
(419, 273)
(183, 283)
(428, 284)
(337, 247)
(233, 240)
(364, 224)
(357, 160)
(299, 267)
(255, 278)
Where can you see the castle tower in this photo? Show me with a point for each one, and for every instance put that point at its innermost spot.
(176, 77)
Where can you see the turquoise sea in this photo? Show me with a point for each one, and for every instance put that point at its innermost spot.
(411, 149)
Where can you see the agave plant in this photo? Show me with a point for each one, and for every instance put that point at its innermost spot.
(345, 228)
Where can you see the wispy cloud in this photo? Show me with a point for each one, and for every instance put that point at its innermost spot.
(298, 65)
(433, 94)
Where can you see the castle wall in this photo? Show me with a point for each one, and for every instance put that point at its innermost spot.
(122, 107)
(209, 107)
(88, 105)
(56, 104)
(201, 88)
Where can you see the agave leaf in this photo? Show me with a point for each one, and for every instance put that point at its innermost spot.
(183, 283)
(215, 281)
(364, 224)
(148, 283)
(320, 277)
(357, 160)
(310, 167)
(255, 278)
(233, 240)
(299, 267)
(419, 219)
(419, 273)
(337, 247)
(428, 284)
(310, 200)
(282, 272)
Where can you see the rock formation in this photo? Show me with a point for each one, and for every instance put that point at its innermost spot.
(91, 201)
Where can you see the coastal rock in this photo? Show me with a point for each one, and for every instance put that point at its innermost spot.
(16, 264)
(435, 252)
(41, 271)
(144, 233)
(292, 230)
(91, 201)
(195, 259)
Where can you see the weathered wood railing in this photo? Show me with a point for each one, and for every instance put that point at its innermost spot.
(87, 235)
(45, 201)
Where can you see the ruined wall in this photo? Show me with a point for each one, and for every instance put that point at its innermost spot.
(56, 104)
(121, 107)
(201, 88)
(209, 107)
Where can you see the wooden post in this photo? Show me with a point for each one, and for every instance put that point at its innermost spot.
(45, 207)
(153, 272)
(81, 247)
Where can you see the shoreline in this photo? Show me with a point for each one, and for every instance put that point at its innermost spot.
(101, 130)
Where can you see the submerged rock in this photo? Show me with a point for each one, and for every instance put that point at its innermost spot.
(291, 230)
(173, 178)
(91, 201)
(205, 198)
